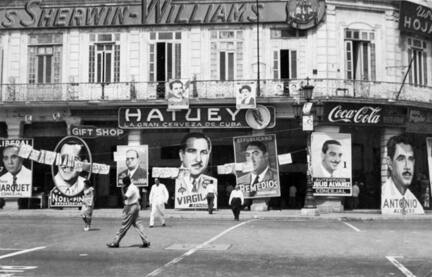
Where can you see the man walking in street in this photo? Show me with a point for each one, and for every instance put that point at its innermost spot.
(211, 194)
(158, 198)
(130, 215)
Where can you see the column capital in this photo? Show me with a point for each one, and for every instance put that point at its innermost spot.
(14, 127)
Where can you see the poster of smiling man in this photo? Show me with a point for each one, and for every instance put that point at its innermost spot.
(16, 172)
(192, 183)
(331, 164)
(70, 169)
(396, 196)
(260, 175)
(132, 161)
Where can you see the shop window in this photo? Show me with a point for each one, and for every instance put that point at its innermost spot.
(104, 58)
(226, 55)
(44, 64)
(417, 57)
(360, 62)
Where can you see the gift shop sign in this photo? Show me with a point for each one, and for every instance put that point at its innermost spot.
(88, 131)
(196, 117)
(354, 114)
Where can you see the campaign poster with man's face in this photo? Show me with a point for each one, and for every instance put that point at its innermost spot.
(396, 195)
(331, 164)
(260, 174)
(193, 184)
(16, 172)
(246, 95)
(178, 94)
(132, 161)
(71, 168)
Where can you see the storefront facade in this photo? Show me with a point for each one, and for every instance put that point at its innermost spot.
(75, 69)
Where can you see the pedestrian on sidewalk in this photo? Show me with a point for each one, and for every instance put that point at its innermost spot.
(211, 194)
(236, 200)
(130, 214)
(87, 204)
(158, 198)
(355, 196)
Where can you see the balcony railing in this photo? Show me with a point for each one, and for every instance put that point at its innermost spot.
(210, 89)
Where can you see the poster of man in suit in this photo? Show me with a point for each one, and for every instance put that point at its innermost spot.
(260, 174)
(15, 172)
(331, 164)
(192, 181)
(132, 161)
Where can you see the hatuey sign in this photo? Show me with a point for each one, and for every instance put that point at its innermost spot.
(196, 117)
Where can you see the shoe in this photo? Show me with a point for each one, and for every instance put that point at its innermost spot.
(151, 226)
(163, 225)
(86, 229)
(145, 245)
(113, 245)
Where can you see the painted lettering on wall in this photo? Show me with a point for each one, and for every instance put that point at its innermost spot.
(415, 18)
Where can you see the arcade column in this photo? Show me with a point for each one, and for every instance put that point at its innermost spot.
(71, 120)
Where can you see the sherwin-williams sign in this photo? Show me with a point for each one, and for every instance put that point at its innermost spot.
(415, 18)
(52, 14)
(196, 117)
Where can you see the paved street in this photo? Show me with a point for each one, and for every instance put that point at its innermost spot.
(217, 246)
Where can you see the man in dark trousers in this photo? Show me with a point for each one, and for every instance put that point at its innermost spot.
(236, 200)
(130, 215)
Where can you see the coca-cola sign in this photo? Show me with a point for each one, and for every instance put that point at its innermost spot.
(354, 114)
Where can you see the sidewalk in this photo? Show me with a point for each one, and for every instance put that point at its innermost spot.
(219, 214)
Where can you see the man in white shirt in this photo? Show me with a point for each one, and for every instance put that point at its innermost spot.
(236, 200)
(396, 198)
(158, 198)
(211, 195)
(130, 214)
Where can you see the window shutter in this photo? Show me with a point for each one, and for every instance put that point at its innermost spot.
(117, 63)
(32, 65)
(349, 60)
(425, 68)
(91, 64)
(276, 65)
(373, 62)
(57, 63)
(410, 56)
(293, 64)
(152, 59)
(177, 61)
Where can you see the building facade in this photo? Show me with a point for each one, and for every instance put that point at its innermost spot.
(78, 63)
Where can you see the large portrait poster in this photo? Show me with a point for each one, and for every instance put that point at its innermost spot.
(331, 164)
(69, 171)
(132, 161)
(396, 195)
(15, 172)
(260, 175)
(192, 181)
